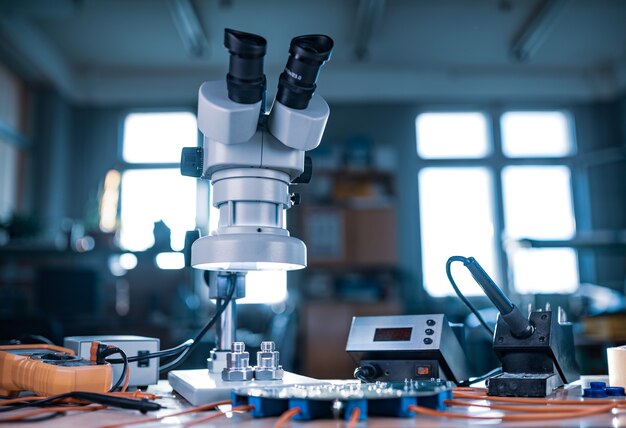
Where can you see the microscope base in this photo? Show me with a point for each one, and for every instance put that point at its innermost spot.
(201, 387)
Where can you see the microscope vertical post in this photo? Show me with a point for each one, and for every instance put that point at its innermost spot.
(220, 287)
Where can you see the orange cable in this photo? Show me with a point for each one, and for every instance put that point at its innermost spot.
(469, 389)
(286, 416)
(523, 417)
(354, 417)
(93, 351)
(36, 412)
(201, 408)
(518, 408)
(217, 415)
(10, 401)
(137, 394)
(524, 400)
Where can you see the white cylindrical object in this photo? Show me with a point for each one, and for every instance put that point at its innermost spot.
(617, 365)
(224, 120)
(299, 129)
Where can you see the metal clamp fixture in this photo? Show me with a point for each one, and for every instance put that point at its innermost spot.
(238, 364)
(267, 359)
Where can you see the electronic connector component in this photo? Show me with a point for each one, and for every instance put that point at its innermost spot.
(338, 400)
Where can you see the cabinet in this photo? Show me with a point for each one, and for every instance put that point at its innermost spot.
(348, 222)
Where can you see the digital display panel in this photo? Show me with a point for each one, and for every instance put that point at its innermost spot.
(402, 334)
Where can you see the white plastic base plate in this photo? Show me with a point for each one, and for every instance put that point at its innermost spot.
(201, 387)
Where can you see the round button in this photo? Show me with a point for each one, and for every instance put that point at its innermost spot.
(429, 331)
(430, 322)
(428, 341)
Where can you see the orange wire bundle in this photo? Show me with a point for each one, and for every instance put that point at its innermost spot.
(354, 417)
(286, 417)
(201, 408)
(217, 415)
(543, 409)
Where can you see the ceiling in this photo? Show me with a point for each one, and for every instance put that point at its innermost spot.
(137, 51)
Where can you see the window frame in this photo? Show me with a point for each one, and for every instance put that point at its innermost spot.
(495, 161)
(123, 166)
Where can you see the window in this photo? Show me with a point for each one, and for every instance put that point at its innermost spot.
(152, 188)
(457, 170)
(536, 134)
(456, 218)
(158, 137)
(452, 135)
(152, 195)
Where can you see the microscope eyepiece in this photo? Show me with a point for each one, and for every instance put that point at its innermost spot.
(297, 83)
(245, 79)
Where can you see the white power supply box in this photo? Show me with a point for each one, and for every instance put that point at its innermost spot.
(142, 373)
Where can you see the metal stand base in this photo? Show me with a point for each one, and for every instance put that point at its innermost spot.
(201, 387)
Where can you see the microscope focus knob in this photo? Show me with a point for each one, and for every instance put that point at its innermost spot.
(191, 160)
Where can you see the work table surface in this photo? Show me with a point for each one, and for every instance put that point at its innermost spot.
(174, 403)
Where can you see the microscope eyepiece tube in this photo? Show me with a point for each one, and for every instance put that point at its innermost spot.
(245, 78)
(297, 83)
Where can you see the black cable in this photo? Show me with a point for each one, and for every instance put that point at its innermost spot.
(112, 351)
(461, 296)
(184, 349)
(142, 405)
(174, 363)
(196, 341)
(160, 354)
(482, 377)
(360, 374)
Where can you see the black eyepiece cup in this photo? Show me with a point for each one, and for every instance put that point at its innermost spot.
(297, 83)
(245, 79)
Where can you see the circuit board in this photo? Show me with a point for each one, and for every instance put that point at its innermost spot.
(338, 400)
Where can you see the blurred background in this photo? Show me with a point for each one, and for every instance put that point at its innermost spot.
(486, 128)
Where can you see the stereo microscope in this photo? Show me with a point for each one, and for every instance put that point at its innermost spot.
(251, 158)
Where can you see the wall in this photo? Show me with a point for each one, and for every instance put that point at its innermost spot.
(53, 167)
(13, 143)
(607, 187)
(95, 141)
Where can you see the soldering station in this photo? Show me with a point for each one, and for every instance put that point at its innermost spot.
(255, 157)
